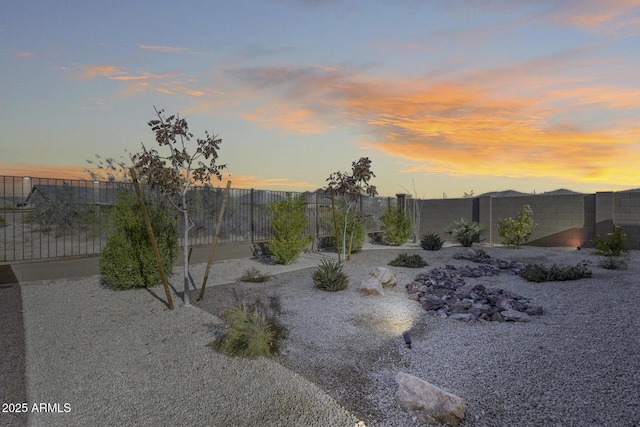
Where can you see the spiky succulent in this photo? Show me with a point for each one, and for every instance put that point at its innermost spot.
(329, 276)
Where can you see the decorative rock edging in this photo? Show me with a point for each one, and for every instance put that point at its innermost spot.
(443, 292)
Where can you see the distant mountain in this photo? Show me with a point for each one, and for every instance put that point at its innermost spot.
(505, 193)
(513, 193)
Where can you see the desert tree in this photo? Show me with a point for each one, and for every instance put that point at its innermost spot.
(350, 187)
(181, 166)
(415, 213)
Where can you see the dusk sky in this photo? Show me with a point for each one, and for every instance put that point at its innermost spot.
(456, 96)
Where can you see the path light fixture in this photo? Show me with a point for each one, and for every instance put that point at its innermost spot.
(407, 338)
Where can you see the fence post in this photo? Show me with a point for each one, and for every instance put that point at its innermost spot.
(251, 225)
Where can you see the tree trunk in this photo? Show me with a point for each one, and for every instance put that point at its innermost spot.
(185, 214)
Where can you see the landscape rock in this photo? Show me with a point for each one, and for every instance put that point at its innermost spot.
(427, 402)
(386, 276)
(515, 316)
(443, 292)
(371, 286)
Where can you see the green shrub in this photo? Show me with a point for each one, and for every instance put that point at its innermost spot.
(465, 233)
(253, 330)
(540, 273)
(359, 230)
(612, 245)
(517, 231)
(3, 222)
(613, 263)
(431, 242)
(289, 222)
(252, 275)
(127, 261)
(396, 226)
(329, 276)
(410, 261)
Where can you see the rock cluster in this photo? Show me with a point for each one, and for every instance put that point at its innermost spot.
(443, 292)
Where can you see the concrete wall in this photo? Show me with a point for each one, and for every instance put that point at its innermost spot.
(563, 220)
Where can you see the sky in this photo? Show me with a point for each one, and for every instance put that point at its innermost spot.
(444, 97)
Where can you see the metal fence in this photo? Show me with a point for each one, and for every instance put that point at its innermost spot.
(51, 218)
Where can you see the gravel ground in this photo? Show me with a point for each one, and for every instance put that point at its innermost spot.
(123, 358)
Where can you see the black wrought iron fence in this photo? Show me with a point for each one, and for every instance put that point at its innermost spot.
(50, 218)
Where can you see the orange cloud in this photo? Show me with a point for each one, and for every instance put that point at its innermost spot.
(252, 181)
(25, 54)
(515, 122)
(613, 16)
(302, 121)
(90, 72)
(44, 171)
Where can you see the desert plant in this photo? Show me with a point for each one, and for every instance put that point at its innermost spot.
(517, 231)
(329, 276)
(252, 275)
(350, 187)
(289, 222)
(613, 263)
(396, 226)
(180, 168)
(127, 261)
(410, 261)
(252, 332)
(431, 242)
(355, 223)
(540, 273)
(465, 233)
(612, 244)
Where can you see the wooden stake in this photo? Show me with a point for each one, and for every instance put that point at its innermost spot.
(335, 225)
(215, 240)
(154, 244)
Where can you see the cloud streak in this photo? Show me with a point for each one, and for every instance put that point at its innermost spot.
(495, 123)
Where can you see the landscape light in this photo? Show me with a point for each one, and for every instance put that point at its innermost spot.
(407, 338)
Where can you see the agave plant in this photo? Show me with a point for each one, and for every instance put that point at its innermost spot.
(329, 276)
(431, 242)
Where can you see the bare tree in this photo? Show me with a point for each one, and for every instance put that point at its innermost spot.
(415, 213)
(175, 172)
(351, 186)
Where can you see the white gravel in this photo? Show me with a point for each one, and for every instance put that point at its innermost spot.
(123, 358)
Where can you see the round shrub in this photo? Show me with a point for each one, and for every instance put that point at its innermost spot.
(396, 226)
(431, 242)
(127, 261)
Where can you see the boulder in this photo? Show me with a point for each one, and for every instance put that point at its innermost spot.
(371, 286)
(515, 316)
(385, 275)
(427, 402)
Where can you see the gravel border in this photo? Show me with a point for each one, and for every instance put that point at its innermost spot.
(119, 357)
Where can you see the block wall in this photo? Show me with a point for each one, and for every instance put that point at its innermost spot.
(563, 220)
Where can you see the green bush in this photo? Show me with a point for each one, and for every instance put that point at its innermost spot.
(252, 275)
(613, 263)
(359, 230)
(253, 330)
(431, 242)
(396, 226)
(410, 261)
(289, 222)
(3, 222)
(329, 276)
(465, 233)
(517, 231)
(127, 261)
(612, 245)
(540, 273)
